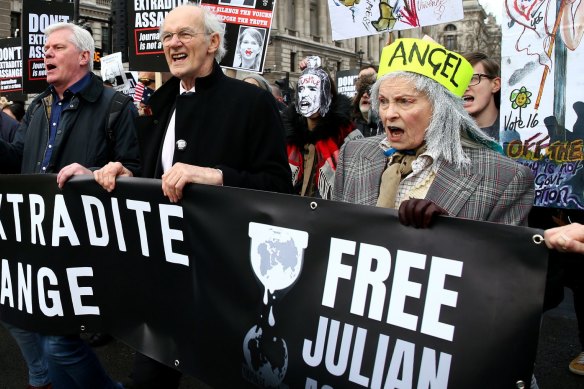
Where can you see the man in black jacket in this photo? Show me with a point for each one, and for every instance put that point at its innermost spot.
(205, 128)
(8, 127)
(64, 130)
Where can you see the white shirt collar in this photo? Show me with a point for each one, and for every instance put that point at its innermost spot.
(183, 90)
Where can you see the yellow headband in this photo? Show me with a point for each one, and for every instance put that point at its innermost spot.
(429, 59)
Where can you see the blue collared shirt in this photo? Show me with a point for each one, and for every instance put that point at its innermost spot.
(56, 110)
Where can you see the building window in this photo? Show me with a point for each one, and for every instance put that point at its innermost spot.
(292, 61)
(450, 37)
(313, 20)
(105, 39)
(450, 42)
(15, 24)
(291, 19)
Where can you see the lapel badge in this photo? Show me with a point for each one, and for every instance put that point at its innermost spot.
(181, 144)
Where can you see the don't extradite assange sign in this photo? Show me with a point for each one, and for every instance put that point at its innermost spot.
(247, 288)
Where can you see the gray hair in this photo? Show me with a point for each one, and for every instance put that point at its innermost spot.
(212, 25)
(81, 38)
(450, 128)
(264, 84)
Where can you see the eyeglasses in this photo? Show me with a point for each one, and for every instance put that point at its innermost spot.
(476, 78)
(185, 36)
(146, 81)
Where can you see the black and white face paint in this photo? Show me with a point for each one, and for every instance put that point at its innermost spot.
(309, 87)
(313, 93)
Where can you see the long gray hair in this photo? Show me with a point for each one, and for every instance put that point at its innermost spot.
(450, 128)
(263, 83)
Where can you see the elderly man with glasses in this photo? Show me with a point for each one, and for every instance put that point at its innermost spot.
(205, 128)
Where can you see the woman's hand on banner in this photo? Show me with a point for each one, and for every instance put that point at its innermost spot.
(419, 213)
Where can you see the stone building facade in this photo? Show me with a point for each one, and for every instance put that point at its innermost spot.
(301, 28)
(476, 32)
(4, 18)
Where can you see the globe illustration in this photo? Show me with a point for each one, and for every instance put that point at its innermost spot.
(276, 258)
(266, 357)
(276, 255)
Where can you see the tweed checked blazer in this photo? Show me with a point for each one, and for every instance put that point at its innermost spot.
(493, 188)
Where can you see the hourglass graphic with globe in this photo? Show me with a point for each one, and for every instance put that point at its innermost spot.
(276, 258)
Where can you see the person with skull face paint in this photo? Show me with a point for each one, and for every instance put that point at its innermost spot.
(317, 125)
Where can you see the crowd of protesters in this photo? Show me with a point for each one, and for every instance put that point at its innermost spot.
(409, 140)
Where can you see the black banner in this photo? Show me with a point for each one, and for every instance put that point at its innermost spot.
(144, 20)
(248, 288)
(36, 16)
(11, 69)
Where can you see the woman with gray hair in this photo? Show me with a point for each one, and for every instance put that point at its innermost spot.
(258, 81)
(432, 159)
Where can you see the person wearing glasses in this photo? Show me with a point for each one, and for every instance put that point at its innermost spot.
(205, 128)
(482, 98)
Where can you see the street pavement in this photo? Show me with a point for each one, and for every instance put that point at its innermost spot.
(558, 345)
